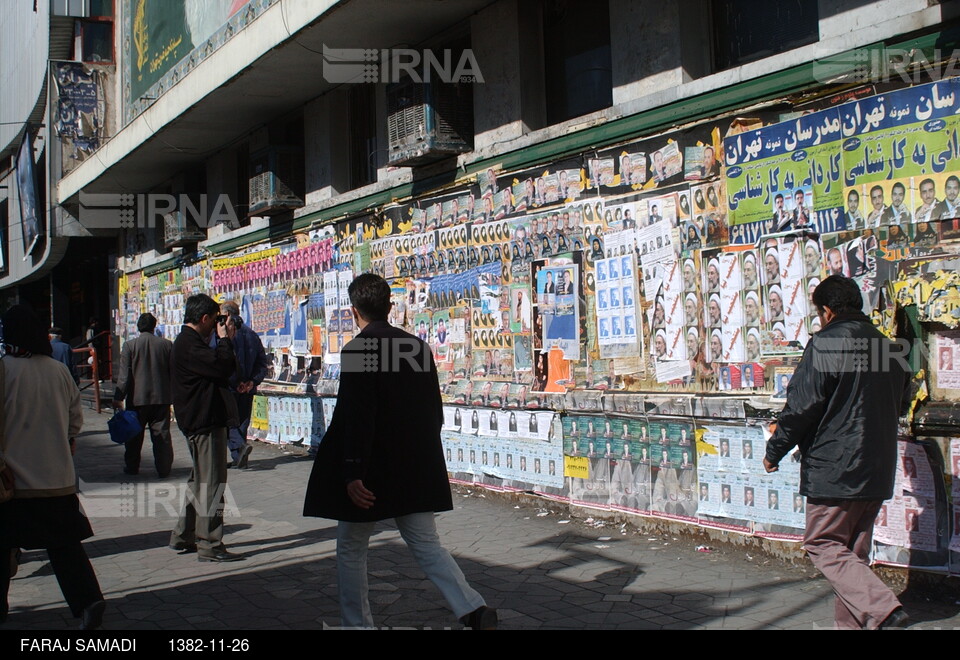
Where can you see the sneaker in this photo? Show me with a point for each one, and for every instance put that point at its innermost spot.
(482, 618)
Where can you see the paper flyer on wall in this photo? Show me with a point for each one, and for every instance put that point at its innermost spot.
(655, 244)
(738, 487)
(907, 522)
(559, 308)
(669, 341)
(909, 519)
(948, 360)
(616, 310)
(518, 460)
(955, 492)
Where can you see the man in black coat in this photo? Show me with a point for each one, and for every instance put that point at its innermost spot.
(204, 408)
(842, 411)
(382, 458)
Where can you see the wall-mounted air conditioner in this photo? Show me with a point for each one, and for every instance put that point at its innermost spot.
(276, 174)
(428, 121)
(178, 230)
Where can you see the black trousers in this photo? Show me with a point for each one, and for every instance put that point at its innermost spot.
(157, 419)
(74, 573)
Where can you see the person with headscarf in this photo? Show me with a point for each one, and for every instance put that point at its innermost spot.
(41, 418)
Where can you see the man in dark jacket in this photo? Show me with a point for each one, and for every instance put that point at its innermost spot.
(251, 370)
(382, 458)
(842, 411)
(62, 352)
(143, 379)
(205, 409)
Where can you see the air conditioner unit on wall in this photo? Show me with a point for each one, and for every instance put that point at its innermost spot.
(179, 231)
(276, 173)
(428, 121)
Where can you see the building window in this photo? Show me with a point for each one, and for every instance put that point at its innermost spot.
(576, 58)
(96, 33)
(748, 30)
(363, 135)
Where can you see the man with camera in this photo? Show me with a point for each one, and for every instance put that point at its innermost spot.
(205, 409)
(251, 370)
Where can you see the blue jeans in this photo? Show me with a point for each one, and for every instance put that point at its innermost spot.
(419, 532)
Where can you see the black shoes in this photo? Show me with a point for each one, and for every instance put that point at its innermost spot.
(896, 620)
(221, 557)
(93, 615)
(482, 618)
(184, 548)
(15, 562)
(244, 456)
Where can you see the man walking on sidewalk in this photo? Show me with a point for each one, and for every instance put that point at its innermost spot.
(382, 458)
(205, 409)
(251, 370)
(144, 381)
(842, 410)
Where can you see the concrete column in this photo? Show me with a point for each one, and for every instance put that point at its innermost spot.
(645, 48)
(326, 138)
(504, 100)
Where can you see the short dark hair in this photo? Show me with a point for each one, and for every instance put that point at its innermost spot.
(840, 294)
(55, 331)
(199, 305)
(147, 322)
(370, 294)
(900, 186)
(22, 329)
(925, 182)
(779, 196)
(880, 188)
(953, 177)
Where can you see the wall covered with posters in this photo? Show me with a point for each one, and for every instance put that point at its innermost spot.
(616, 329)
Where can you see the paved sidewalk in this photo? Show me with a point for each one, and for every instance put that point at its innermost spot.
(542, 569)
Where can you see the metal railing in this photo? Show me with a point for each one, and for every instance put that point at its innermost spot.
(89, 361)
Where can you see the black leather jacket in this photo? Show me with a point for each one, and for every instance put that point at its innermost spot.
(842, 411)
(200, 376)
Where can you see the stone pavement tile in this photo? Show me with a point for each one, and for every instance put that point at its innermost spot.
(618, 618)
(618, 598)
(662, 620)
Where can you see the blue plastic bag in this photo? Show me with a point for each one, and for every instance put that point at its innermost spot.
(123, 426)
